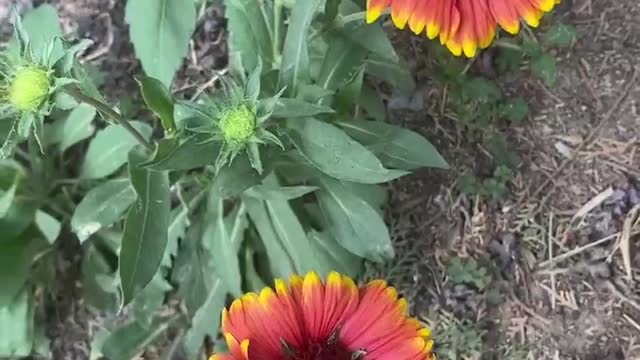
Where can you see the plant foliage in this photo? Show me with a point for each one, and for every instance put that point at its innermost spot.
(280, 171)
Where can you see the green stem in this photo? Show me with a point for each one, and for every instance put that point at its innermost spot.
(529, 33)
(277, 28)
(357, 16)
(108, 111)
(507, 45)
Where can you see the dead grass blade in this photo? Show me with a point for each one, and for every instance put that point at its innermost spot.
(625, 239)
(593, 203)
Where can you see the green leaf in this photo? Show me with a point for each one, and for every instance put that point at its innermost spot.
(340, 259)
(330, 150)
(509, 59)
(295, 54)
(252, 278)
(42, 26)
(65, 64)
(98, 280)
(17, 326)
(396, 74)
(109, 150)
(253, 154)
(395, 147)
(515, 109)
(160, 31)
(266, 192)
(220, 242)
(17, 257)
(356, 225)
(331, 11)
(292, 236)
(191, 270)
(146, 304)
(280, 260)
(235, 178)
(159, 100)
(481, 89)
(101, 207)
(193, 152)
(132, 338)
(369, 36)
(348, 95)
(145, 230)
(292, 108)
(342, 61)
(252, 89)
(48, 226)
(17, 219)
(180, 222)
(371, 101)
(6, 199)
(206, 320)
(250, 31)
(544, 67)
(560, 35)
(77, 126)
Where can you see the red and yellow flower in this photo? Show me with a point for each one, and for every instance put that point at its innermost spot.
(308, 319)
(462, 25)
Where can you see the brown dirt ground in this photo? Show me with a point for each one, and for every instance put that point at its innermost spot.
(581, 138)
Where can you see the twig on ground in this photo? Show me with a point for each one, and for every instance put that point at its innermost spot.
(630, 221)
(578, 250)
(552, 276)
(528, 310)
(614, 289)
(593, 203)
(631, 321)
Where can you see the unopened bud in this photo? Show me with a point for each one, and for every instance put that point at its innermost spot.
(29, 88)
(238, 124)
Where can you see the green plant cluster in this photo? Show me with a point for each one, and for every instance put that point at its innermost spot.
(279, 171)
(468, 271)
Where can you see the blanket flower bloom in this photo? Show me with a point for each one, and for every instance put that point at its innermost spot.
(308, 319)
(462, 25)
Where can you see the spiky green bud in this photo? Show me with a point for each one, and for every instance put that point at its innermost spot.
(238, 124)
(29, 88)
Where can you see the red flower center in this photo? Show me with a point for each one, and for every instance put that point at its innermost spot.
(331, 349)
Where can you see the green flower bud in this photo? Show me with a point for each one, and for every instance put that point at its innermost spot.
(29, 88)
(238, 124)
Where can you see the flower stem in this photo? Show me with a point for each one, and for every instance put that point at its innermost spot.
(277, 28)
(507, 45)
(353, 17)
(108, 111)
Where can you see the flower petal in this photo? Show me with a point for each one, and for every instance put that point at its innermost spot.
(340, 301)
(379, 319)
(221, 357)
(401, 12)
(477, 28)
(464, 26)
(375, 8)
(303, 318)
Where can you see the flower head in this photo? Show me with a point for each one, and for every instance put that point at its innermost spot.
(462, 25)
(238, 124)
(29, 88)
(309, 319)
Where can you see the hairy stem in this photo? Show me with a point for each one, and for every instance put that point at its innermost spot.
(108, 111)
